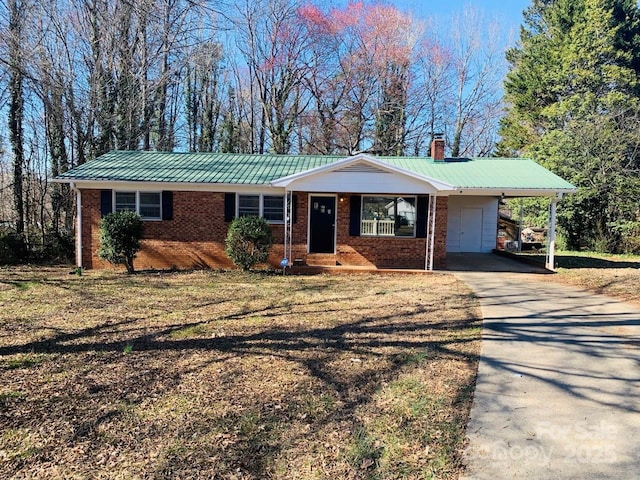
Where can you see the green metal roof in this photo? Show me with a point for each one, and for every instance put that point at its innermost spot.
(136, 166)
(485, 172)
(244, 169)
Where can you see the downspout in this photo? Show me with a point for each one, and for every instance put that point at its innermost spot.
(520, 226)
(78, 225)
(288, 228)
(287, 212)
(291, 213)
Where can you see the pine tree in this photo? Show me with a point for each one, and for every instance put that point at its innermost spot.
(572, 95)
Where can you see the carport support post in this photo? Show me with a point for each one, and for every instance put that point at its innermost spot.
(552, 234)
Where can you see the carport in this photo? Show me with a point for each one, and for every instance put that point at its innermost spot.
(472, 219)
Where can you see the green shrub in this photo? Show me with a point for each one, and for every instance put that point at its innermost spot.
(58, 248)
(13, 248)
(561, 240)
(248, 241)
(120, 235)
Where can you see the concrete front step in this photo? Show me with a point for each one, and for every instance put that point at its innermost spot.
(322, 260)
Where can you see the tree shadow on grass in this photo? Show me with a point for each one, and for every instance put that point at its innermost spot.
(578, 261)
(372, 348)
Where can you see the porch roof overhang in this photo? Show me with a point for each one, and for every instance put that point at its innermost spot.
(362, 173)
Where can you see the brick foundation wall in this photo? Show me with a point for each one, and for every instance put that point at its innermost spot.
(194, 238)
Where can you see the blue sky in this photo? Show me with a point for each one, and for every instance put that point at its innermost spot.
(510, 9)
(507, 12)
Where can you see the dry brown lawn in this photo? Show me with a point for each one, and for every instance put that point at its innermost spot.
(614, 275)
(234, 376)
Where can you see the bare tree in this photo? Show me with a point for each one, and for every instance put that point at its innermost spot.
(274, 49)
(203, 98)
(429, 96)
(361, 75)
(478, 67)
(17, 11)
(82, 77)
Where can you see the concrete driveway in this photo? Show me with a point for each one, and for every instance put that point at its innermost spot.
(558, 389)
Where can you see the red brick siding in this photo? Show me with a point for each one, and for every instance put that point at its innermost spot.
(195, 237)
(90, 225)
(299, 230)
(389, 252)
(440, 251)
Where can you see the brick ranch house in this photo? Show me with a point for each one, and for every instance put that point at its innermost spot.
(384, 212)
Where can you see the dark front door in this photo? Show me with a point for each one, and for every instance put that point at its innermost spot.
(323, 225)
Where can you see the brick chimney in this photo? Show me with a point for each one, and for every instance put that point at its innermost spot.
(437, 147)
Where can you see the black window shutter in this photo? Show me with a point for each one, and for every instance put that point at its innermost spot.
(106, 205)
(421, 221)
(229, 206)
(354, 215)
(294, 207)
(167, 205)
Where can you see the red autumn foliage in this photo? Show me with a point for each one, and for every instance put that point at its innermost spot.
(384, 35)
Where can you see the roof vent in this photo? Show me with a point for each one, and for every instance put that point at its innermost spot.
(457, 159)
(361, 167)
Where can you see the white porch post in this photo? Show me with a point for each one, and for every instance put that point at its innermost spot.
(78, 227)
(433, 230)
(291, 213)
(431, 233)
(552, 233)
(427, 250)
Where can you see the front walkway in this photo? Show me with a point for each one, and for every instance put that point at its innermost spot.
(558, 389)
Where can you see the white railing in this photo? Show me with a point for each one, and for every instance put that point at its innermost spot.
(368, 227)
(378, 227)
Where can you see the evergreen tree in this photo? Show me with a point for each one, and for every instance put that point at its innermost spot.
(573, 104)
(229, 141)
(389, 138)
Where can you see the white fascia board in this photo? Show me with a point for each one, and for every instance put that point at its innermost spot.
(509, 192)
(176, 186)
(361, 157)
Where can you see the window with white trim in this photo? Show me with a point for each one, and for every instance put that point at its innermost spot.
(146, 204)
(270, 207)
(386, 216)
(149, 204)
(273, 208)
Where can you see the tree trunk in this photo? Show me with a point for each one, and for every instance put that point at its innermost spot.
(16, 108)
(53, 109)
